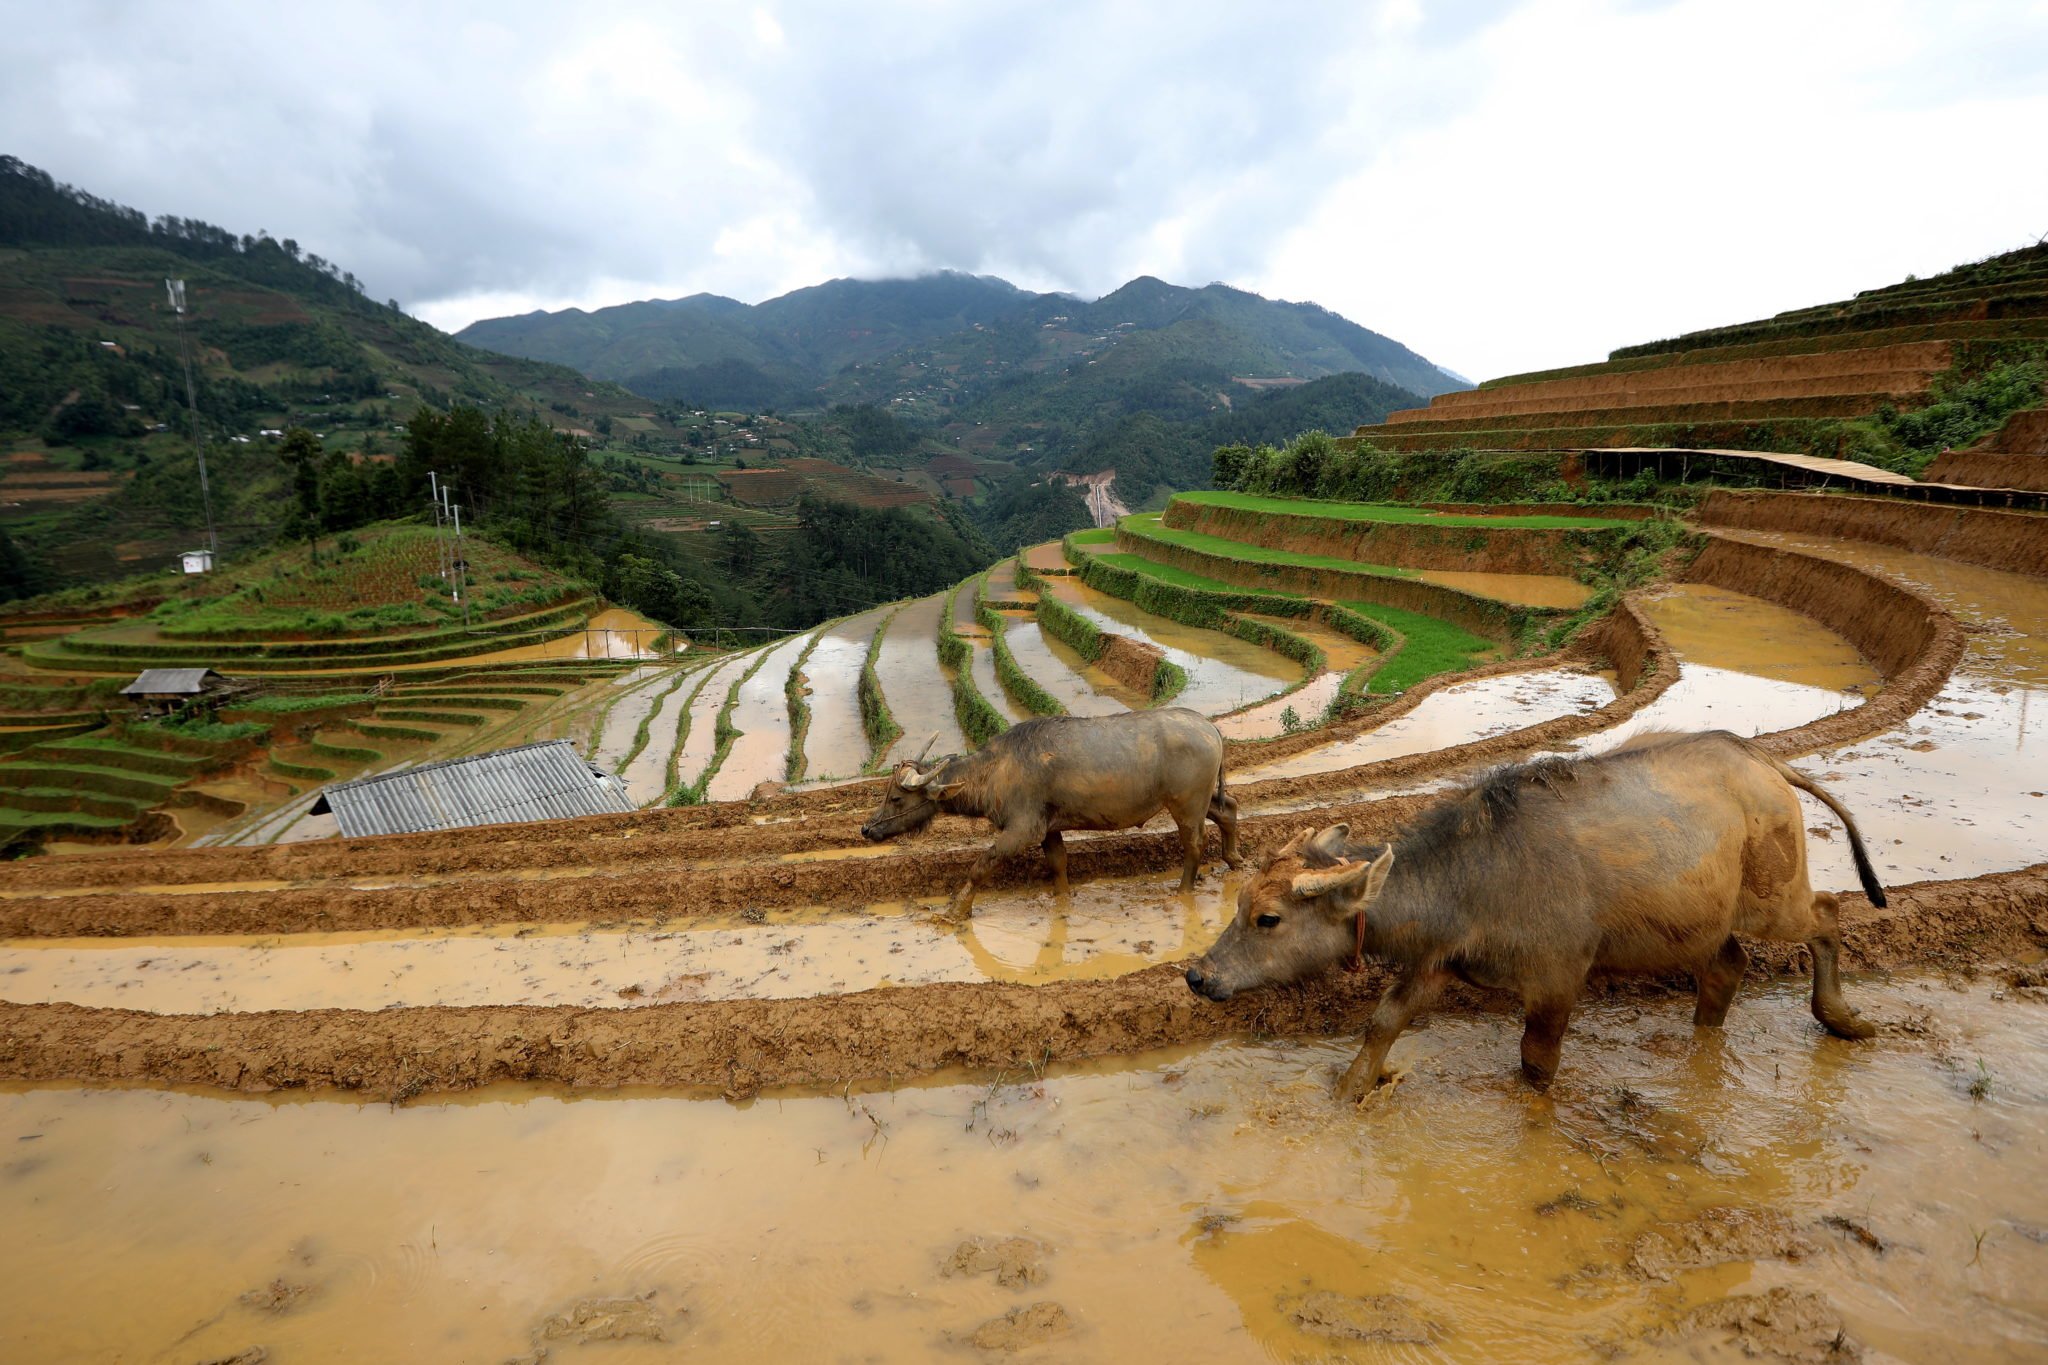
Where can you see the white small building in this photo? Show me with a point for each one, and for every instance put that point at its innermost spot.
(197, 561)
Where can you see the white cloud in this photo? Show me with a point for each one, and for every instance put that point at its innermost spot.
(1500, 185)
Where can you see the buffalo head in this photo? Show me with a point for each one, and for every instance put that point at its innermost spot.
(1295, 918)
(911, 800)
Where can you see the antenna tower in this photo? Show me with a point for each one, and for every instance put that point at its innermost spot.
(176, 289)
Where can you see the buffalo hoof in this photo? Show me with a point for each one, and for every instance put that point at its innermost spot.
(1850, 1025)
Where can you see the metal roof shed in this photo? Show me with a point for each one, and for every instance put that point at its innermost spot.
(545, 781)
(171, 682)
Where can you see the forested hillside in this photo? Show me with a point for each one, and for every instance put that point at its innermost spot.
(951, 347)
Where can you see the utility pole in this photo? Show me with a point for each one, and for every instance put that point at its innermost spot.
(434, 501)
(176, 289)
(461, 568)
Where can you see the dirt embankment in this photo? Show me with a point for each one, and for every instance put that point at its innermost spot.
(1134, 663)
(2014, 456)
(2016, 542)
(1405, 545)
(1990, 469)
(744, 1046)
(1904, 368)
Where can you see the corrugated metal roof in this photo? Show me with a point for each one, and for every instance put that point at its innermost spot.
(545, 781)
(182, 681)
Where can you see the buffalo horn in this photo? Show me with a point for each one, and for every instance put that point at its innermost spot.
(1344, 877)
(927, 747)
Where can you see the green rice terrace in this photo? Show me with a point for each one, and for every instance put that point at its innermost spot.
(1277, 616)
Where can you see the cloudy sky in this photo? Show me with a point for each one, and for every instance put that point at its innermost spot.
(1502, 186)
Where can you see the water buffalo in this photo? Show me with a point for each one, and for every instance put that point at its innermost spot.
(1071, 772)
(1651, 858)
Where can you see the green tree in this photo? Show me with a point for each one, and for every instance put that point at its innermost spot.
(301, 455)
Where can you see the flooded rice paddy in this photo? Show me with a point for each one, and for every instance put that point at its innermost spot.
(836, 745)
(1224, 672)
(1745, 665)
(1759, 1191)
(919, 694)
(1962, 788)
(646, 775)
(1077, 685)
(702, 741)
(1523, 589)
(760, 753)
(1105, 929)
(637, 694)
(1312, 699)
(1458, 714)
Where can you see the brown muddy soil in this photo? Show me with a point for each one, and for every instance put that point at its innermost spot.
(744, 1046)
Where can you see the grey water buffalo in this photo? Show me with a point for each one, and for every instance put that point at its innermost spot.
(1651, 858)
(1059, 773)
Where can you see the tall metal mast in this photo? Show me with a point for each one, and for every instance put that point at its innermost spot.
(176, 289)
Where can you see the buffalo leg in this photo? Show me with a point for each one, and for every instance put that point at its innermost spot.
(1056, 853)
(1223, 810)
(1408, 997)
(1829, 1007)
(1191, 852)
(1543, 1039)
(1717, 980)
(1008, 843)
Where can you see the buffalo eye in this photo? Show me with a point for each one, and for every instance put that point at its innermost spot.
(1268, 921)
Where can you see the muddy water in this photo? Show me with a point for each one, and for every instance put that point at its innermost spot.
(1459, 714)
(1523, 589)
(837, 745)
(1963, 788)
(646, 777)
(1208, 1204)
(964, 620)
(1342, 654)
(1003, 586)
(614, 633)
(638, 694)
(919, 694)
(1746, 665)
(983, 665)
(1104, 929)
(1083, 690)
(761, 715)
(1723, 629)
(702, 741)
(1224, 672)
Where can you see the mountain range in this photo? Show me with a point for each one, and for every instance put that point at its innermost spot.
(946, 344)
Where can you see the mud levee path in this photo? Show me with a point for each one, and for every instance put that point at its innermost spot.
(742, 1047)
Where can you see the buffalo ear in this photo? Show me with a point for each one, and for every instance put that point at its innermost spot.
(1351, 884)
(1327, 847)
(1293, 846)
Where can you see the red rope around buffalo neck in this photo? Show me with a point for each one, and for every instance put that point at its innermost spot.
(1357, 962)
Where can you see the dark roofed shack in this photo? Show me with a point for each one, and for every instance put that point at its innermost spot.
(165, 689)
(544, 781)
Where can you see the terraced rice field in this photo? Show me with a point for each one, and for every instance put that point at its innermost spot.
(772, 1050)
(760, 753)
(917, 690)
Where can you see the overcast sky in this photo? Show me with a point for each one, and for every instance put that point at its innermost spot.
(1503, 186)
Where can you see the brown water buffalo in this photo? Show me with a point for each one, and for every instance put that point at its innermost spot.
(1071, 772)
(1651, 858)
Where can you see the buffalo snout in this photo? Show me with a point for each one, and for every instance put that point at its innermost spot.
(1207, 986)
